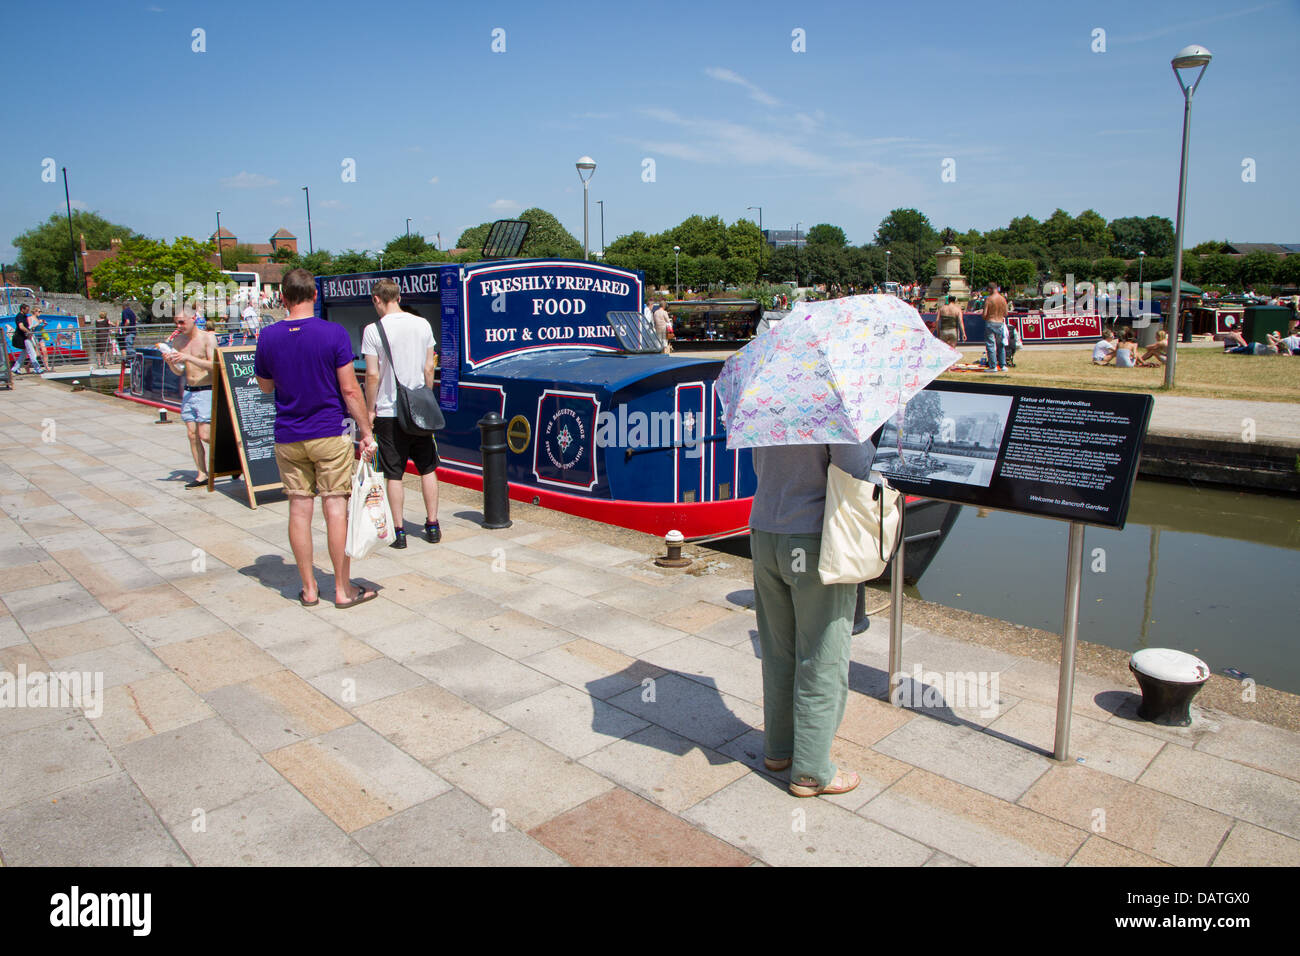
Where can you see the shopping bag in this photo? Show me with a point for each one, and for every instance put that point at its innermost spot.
(860, 528)
(370, 520)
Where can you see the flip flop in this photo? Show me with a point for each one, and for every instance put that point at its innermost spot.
(305, 603)
(362, 597)
(843, 783)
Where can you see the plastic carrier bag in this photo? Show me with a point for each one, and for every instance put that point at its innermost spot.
(370, 520)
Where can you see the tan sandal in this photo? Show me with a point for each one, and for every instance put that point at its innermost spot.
(843, 783)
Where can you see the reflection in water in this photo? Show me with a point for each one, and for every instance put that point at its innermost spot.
(1223, 587)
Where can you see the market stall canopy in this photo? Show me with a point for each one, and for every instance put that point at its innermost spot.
(1167, 285)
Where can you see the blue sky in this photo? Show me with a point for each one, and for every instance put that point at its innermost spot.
(446, 131)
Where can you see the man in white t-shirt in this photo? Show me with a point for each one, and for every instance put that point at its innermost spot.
(414, 360)
(251, 322)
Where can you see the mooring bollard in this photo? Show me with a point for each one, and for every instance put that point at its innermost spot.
(496, 495)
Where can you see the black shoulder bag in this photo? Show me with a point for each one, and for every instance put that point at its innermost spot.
(418, 411)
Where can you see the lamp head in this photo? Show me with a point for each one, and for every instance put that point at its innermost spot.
(586, 165)
(1192, 56)
(677, 249)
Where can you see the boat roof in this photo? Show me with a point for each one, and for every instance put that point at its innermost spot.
(584, 367)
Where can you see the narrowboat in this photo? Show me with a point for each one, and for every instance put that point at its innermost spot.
(599, 422)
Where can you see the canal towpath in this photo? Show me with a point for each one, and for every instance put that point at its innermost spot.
(539, 695)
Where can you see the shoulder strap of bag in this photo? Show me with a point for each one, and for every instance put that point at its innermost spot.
(392, 367)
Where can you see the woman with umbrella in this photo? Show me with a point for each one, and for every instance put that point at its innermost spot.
(806, 394)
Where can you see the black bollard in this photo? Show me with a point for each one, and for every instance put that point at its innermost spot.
(496, 495)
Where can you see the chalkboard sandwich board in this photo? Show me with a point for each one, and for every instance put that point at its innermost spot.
(243, 426)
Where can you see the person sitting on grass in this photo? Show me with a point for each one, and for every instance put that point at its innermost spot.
(1285, 345)
(1158, 350)
(1126, 352)
(1103, 353)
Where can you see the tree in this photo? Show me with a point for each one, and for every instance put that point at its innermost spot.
(1257, 269)
(1288, 271)
(1025, 230)
(147, 270)
(1215, 269)
(923, 415)
(283, 254)
(232, 256)
(1094, 230)
(1021, 271)
(906, 225)
(351, 261)
(825, 234)
(45, 251)
(1153, 235)
(1206, 248)
(701, 237)
(1108, 268)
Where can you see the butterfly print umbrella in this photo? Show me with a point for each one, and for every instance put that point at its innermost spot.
(829, 373)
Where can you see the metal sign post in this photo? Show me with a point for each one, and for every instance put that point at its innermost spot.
(1069, 637)
(896, 612)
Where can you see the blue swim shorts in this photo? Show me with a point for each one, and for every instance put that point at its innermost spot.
(197, 406)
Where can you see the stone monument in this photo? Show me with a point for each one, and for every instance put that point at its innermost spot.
(948, 269)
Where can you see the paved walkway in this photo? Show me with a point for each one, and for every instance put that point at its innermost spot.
(531, 696)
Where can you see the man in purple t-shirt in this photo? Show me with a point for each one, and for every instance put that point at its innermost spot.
(307, 363)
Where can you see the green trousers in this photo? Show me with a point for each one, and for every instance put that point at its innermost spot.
(805, 631)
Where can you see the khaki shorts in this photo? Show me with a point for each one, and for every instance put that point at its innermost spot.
(321, 466)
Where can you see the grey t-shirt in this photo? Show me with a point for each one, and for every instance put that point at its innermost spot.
(791, 496)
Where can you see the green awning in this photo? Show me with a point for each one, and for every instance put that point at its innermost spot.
(1167, 285)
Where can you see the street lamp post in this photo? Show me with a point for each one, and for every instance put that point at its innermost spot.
(887, 255)
(798, 259)
(601, 204)
(218, 238)
(310, 247)
(1141, 259)
(677, 273)
(588, 165)
(762, 240)
(408, 228)
(1189, 57)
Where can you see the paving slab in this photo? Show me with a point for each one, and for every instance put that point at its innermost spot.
(665, 768)
(621, 829)
(691, 708)
(44, 760)
(277, 709)
(527, 781)
(103, 822)
(428, 722)
(277, 827)
(452, 830)
(569, 721)
(356, 776)
(758, 817)
(1267, 800)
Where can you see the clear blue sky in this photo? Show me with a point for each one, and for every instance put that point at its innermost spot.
(451, 134)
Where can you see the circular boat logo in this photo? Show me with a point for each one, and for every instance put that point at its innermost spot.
(566, 439)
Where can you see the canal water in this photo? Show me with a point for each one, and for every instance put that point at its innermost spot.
(1212, 572)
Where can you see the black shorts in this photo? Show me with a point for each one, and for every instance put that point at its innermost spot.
(396, 448)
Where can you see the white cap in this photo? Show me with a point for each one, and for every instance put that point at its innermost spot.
(1166, 664)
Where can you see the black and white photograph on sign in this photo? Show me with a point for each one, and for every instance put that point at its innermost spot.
(946, 436)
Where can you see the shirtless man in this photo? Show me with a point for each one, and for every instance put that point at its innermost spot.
(193, 353)
(951, 318)
(995, 319)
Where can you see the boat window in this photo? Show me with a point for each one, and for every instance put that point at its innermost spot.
(635, 332)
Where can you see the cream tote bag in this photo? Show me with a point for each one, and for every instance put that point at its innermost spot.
(860, 529)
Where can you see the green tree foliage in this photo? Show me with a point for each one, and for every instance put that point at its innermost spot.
(1153, 235)
(1108, 269)
(232, 256)
(824, 234)
(745, 242)
(907, 225)
(701, 237)
(1206, 248)
(45, 252)
(283, 254)
(147, 270)
(1214, 269)
(546, 239)
(1025, 230)
(1288, 271)
(990, 267)
(1258, 269)
(352, 260)
(1021, 272)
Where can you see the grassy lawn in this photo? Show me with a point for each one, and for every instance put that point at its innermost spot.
(1200, 373)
